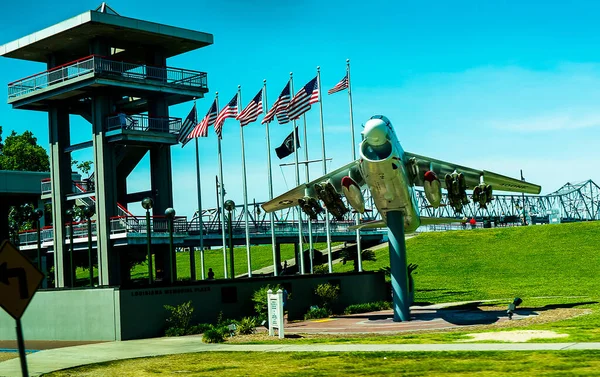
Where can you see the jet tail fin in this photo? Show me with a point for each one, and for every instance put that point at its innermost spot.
(369, 225)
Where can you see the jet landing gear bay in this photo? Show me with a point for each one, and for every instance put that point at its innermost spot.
(391, 174)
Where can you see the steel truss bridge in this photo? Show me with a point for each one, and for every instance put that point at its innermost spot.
(572, 202)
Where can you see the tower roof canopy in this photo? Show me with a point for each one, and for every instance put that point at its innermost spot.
(70, 39)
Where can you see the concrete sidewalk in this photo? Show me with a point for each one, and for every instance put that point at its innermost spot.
(69, 357)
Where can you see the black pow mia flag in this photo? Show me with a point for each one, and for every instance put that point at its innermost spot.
(287, 147)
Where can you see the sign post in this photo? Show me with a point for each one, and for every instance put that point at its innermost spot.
(275, 312)
(19, 280)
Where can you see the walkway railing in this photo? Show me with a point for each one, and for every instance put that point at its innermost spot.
(100, 65)
(143, 123)
(181, 226)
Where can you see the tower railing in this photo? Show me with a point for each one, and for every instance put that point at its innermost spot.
(142, 122)
(112, 68)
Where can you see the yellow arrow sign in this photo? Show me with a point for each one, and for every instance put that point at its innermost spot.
(19, 280)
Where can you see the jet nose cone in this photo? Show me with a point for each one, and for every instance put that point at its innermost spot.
(375, 132)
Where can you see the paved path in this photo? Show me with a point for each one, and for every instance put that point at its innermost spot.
(61, 358)
(422, 318)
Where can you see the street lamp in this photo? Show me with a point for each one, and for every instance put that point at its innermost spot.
(230, 206)
(170, 214)
(147, 204)
(36, 216)
(69, 214)
(89, 211)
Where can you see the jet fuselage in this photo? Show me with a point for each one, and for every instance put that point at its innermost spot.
(385, 173)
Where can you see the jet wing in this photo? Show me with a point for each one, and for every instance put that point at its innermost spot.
(290, 198)
(472, 176)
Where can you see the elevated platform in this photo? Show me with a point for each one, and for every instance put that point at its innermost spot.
(77, 79)
(71, 38)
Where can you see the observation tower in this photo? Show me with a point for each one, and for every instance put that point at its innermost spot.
(112, 71)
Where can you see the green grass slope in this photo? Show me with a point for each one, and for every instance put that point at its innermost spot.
(534, 261)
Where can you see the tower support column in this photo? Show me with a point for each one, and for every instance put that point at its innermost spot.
(398, 266)
(162, 190)
(106, 195)
(60, 176)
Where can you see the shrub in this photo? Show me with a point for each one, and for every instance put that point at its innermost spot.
(259, 298)
(174, 331)
(199, 328)
(327, 294)
(247, 326)
(321, 269)
(316, 313)
(213, 335)
(179, 319)
(368, 307)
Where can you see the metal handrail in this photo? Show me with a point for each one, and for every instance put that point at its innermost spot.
(142, 122)
(181, 226)
(103, 66)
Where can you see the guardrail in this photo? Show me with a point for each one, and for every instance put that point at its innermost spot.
(143, 123)
(100, 65)
(181, 226)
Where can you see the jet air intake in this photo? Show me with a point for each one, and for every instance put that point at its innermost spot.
(376, 145)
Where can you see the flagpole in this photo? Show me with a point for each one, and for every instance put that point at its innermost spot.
(327, 228)
(307, 175)
(300, 244)
(222, 195)
(358, 245)
(245, 187)
(270, 178)
(192, 251)
(200, 224)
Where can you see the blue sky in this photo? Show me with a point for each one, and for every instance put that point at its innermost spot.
(502, 86)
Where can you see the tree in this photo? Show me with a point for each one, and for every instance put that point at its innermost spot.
(85, 167)
(19, 219)
(21, 152)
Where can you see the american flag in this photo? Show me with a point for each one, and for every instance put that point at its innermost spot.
(229, 111)
(305, 97)
(280, 107)
(188, 124)
(209, 119)
(339, 86)
(252, 111)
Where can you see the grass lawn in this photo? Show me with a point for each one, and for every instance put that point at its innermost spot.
(502, 263)
(548, 266)
(551, 267)
(350, 364)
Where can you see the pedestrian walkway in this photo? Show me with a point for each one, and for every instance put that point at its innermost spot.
(69, 357)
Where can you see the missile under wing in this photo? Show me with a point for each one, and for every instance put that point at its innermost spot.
(326, 188)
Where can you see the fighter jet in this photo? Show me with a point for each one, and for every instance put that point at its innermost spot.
(391, 174)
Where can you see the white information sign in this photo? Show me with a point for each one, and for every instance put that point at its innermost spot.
(275, 312)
